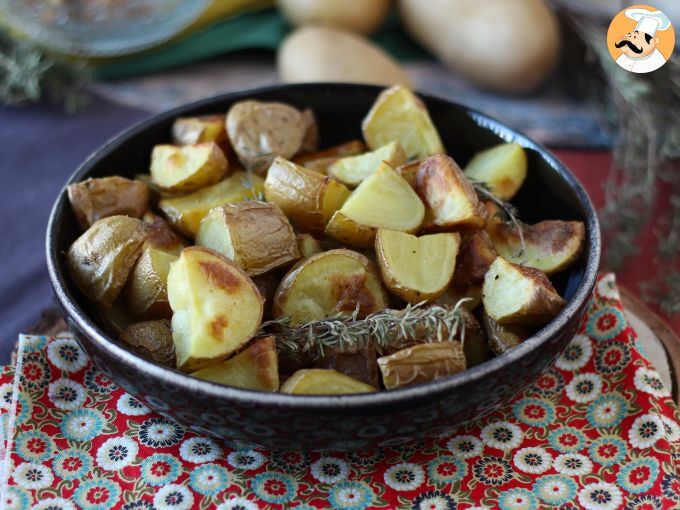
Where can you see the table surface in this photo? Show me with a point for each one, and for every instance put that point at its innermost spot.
(40, 146)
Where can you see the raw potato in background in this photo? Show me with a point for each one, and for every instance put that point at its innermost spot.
(323, 54)
(505, 45)
(363, 16)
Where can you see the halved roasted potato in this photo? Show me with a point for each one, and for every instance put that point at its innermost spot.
(254, 368)
(550, 246)
(259, 132)
(360, 365)
(151, 340)
(200, 129)
(382, 200)
(398, 114)
(185, 213)
(503, 337)
(308, 245)
(101, 259)
(187, 168)
(449, 195)
(476, 255)
(146, 289)
(328, 283)
(319, 161)
(421, 363)
(352, 170)
(255, 235)
(416, 268)
(94, 199)
(307, 198)
(502, 168)
(320, 381)
(217, 308)
(514, 294)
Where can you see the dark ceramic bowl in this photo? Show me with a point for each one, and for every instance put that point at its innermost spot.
(351, 421)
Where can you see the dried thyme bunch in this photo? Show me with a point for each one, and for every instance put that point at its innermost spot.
(383, 330)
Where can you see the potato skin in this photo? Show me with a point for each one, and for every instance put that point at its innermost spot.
(169, 163)
(476, 255)
(319, 161)
(101, 259)
(349, 232)
(308, 245)
(501, 337)
(361, 365)
(161, 236)
(151, 340)
(200, 129)
(146, 288)
(94, 199)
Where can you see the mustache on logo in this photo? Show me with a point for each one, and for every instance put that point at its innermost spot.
(626, 42)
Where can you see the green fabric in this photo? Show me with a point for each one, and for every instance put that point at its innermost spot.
(262, 30)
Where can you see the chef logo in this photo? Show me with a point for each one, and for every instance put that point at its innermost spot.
(641, 39)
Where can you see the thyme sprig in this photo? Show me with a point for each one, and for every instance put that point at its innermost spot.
(510, 213)
(384, 330)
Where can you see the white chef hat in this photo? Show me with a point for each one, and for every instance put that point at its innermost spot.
(648, 21)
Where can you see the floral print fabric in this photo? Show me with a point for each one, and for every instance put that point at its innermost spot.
(598, 431)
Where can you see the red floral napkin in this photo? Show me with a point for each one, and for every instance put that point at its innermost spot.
(599, 431)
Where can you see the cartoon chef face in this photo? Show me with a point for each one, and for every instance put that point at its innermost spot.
(637, 44)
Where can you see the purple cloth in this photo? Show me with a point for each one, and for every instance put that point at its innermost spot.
(40, 147)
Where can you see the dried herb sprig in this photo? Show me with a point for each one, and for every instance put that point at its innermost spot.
(383, 330)
(509, 211)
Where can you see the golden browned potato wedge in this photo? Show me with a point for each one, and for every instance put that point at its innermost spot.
(331, 282)
(101, 259)
(200, 129)
(254, 368)
(255, 235)
(383, 200)
(503, 337)
(476, 255)
(146, 290)
(409, 171)
(161, 236)
(451, 199)
(311, 140)
(421, 363)
(319, 381)
(308, 245)
(360, 365)
(352, 170)
(319, 161)
(514, 294)
(217, 308)
(185, 213)
(151, 340)
(416, 268)
(307, 198)
(550, 246)
(502, 168)
(259, 132)
(398, 114)
(187, 168)
(94, 199)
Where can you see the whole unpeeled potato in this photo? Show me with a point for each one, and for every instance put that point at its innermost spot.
(363, 16)
(505, 45)
(316, 53)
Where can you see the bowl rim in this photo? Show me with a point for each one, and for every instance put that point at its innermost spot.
(76, 314)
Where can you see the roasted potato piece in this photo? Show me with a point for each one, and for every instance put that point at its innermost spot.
(146, 289)
(201, 129)
(476, 255)
(307, 198)
(503, 337)
(254, 368)
(319, 381)
(360, 365)
(255, 235)
(259, 132)
(451, 199)
(502, 168)
(416, 268)
(421, 363)
(151, 340)
(308, 245)
(453, 294)
(114, 319)
(311, 140)
(352, 170)
(217, 308)
(94, 199)
(101, 259)
(409, 171)
(514, 294)
(188, 168)
(161, 236)
(185, 213)
(331, 282)
(398, 114)
(383, 200)
(319, 161)
(155, 193)
(550, 246)
(475, 344)
(267, 284)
